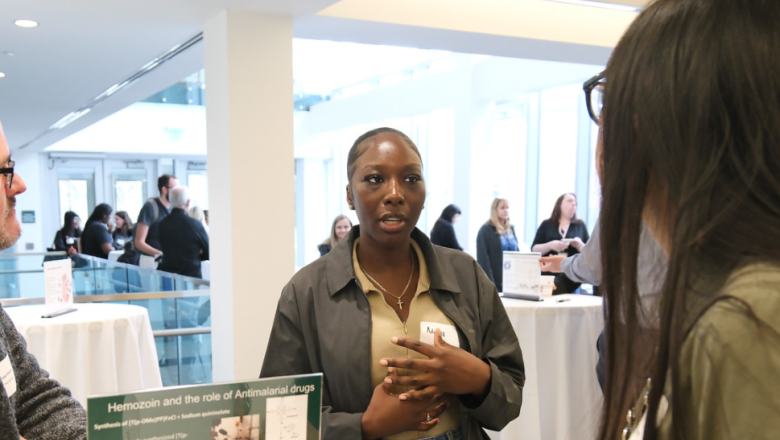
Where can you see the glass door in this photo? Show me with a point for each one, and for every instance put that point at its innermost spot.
(130, 190)
(76, 191)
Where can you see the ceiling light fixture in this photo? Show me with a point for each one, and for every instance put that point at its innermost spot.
(8, 53)
(148, 67)
(599, 4)
(26, 23)
(2, 75)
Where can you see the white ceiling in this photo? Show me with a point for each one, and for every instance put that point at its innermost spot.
(82, 47)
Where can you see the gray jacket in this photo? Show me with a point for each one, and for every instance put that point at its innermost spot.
(323, 324)
(41, 408)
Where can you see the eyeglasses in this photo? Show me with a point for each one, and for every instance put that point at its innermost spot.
(594, 95)
(9, 171)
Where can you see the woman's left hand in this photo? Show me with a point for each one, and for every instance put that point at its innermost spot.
(448, 369)
(577, 243)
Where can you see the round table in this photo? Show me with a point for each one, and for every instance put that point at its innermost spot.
(98, 349)
(561, 398)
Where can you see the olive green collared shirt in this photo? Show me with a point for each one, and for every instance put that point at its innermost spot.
(385, 324)
(730, 363)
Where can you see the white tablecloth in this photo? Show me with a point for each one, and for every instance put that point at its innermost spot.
(98, 349)
(561, 399)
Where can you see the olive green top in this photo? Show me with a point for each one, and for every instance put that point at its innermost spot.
(730, 363)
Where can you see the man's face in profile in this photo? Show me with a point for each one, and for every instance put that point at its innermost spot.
(10, 230)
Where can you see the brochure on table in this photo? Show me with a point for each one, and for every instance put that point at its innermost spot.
(58, 276)
(280, 408)
(522, 275)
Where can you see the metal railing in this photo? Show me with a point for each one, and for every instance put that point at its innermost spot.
(14, 302)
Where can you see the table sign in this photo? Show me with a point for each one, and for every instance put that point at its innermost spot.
(278, 408)
(522, 275)
(58, 276)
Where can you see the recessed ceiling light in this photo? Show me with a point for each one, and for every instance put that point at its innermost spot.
(8, 53)
(2, 75)
(26, 23)
(601, 4)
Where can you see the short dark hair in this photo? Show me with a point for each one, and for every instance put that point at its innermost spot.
(449, 212)
(356, 151)
(163, 181)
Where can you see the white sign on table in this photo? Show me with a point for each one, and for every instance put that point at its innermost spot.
(58, 278)
(522, 275)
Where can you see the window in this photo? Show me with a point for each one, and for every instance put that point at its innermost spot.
(198, 184)
(130, 191)
(77, 192)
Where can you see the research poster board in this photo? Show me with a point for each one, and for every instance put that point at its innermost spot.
(58, 279)
(280, 408)
(522, 275)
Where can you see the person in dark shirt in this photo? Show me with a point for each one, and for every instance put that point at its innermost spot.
(146, 237)
(562, 234)
(443, 232)
(341, 226)
(123, 231)
(495, 237)
(183, 239)
(96, 240)
(66, 238)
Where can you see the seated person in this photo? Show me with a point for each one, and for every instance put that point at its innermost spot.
(97, 240)
(123, 230)
(32, 405)
(66, 238)
(184, 240)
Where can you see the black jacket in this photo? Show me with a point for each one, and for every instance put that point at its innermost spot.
(490, 253)
(182, 238)
(443, 234)
(324, 249)
(323, 324)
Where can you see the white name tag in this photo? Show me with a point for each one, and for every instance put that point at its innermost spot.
(448, 333)
(7, 374)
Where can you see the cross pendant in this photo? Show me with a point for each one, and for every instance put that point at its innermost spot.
(400, 304)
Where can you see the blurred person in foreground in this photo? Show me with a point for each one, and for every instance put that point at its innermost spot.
(690, 144)
(443, 231)
(31, 404)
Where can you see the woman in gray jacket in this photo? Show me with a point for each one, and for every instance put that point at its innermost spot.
(412, 339)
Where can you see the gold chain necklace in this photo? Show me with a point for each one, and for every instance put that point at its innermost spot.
(400, 303)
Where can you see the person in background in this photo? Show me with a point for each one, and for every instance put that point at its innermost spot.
(443, 231)
(96, 239)
(183, 239)
(339, 230)
(146, 237)
(562, 234)
(66, 239)
(495, 237)
(123, 230)
(690, 145)
(356, 314)
(32, 405)
(200, 215)
(206, 216)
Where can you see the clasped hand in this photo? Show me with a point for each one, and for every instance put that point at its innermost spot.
(448, 370)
